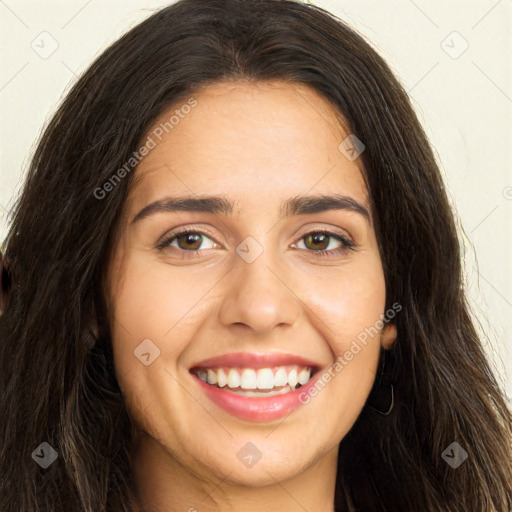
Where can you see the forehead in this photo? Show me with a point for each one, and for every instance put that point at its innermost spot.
(252, 141)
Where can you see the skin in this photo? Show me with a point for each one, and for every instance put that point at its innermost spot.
(256, 145)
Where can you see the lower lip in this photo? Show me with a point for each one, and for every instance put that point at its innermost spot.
(256, 408)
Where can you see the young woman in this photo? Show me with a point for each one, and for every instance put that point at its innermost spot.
(236, 285)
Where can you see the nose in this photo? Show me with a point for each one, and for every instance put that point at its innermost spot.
(259, 296)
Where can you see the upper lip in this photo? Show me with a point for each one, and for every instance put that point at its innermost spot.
(255, 360)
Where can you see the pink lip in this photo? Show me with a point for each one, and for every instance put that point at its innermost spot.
(257, 409)
(255, 360)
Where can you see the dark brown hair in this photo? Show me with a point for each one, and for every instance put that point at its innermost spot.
(57, 383)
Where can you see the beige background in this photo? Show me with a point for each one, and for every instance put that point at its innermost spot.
(453, 58)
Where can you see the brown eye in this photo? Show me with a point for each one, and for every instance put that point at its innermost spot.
(319, 241)
(191, 241)
(186, 241)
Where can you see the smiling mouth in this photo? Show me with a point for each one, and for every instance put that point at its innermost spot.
(256, 382)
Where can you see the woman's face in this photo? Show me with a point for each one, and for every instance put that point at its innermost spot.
(256, 283)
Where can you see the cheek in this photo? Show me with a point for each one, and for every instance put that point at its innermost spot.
(150, 313)
(139, 321)
(350, 303)
(349, 309)
(156, 311)
(150, 301)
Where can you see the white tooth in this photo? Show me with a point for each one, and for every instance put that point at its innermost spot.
(265, 378)
(264, 393)
(248, 379)
(222, 380)
(202, 375)
(211, 376)
(292, 378)
(304, 376)
(233, 378)
(281, 377)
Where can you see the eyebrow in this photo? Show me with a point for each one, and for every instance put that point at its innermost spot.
(298, 205)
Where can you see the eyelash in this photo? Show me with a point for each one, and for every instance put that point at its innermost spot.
(347, 245)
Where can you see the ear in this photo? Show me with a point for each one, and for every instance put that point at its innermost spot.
(388, 336)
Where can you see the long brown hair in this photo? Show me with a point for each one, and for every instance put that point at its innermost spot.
(57, 383)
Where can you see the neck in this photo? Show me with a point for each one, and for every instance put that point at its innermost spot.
(163, 483)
